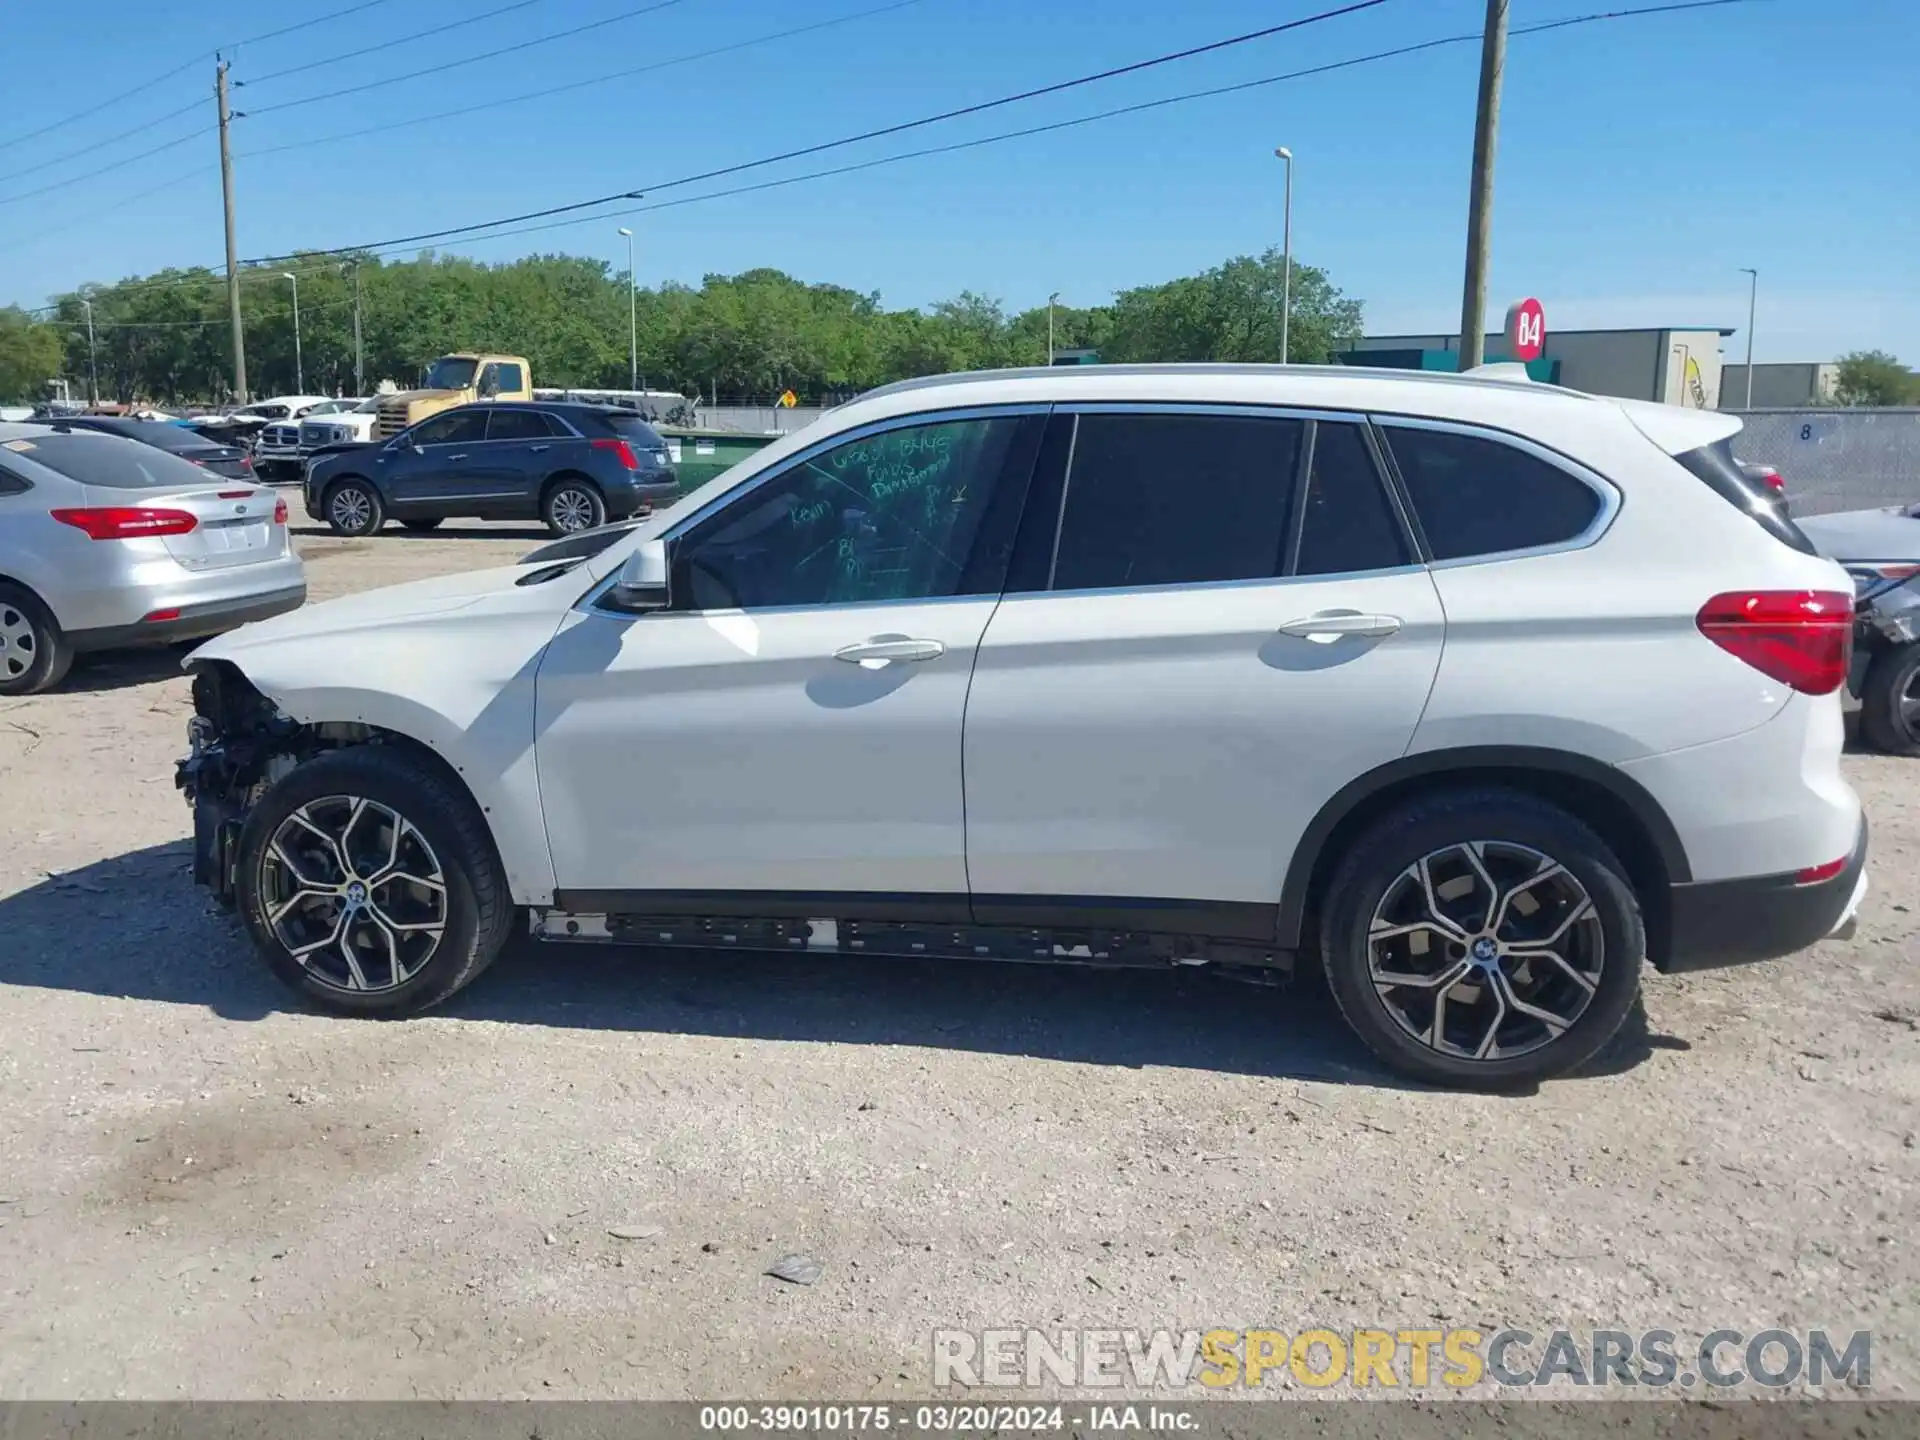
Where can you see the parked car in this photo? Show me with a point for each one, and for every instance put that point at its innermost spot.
(228, 460)
(108, 542)
(1473, 692)
(1881, 551)
(321, 430)
(278, 449)
(572, 466)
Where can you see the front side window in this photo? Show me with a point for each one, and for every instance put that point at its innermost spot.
(506, 378)
(906, 514)
(450, 372)
(1474, 495)
(457, 427)
(1347, 523)
(1175, 499)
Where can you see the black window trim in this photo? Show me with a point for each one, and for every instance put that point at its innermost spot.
(1310, 417)
(1609, 495)
(557, 429)
(595, 598)
(10, 479)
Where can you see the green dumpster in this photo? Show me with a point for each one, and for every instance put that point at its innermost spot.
(699, 455)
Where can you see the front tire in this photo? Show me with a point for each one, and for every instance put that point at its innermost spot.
(1482, 940)
(353, 508)
(34, 654)
(572, 506)
(1890, 702)
(369, 883)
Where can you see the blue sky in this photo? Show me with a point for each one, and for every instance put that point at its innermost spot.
(1641, 161)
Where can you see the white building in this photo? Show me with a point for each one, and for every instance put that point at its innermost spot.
(1679, 365)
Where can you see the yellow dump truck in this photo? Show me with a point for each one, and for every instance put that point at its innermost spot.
(455, 380)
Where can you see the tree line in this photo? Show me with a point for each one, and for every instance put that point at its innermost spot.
(164, 338)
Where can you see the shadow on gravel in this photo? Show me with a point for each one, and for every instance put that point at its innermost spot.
(531, 531)
(121, 669)
(136, 926)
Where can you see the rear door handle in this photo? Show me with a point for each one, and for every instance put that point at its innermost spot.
(538, 448)
(883, 649)
(1330, 625)
(461, 456)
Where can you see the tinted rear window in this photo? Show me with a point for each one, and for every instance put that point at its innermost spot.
(95, 459)
(1479, 496)
(1722, 473)
(635, 431)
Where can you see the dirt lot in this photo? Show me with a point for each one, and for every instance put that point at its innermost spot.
(207, 1192)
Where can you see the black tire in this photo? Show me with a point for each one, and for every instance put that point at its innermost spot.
(422, 525)
(571, 505)
(353, 507)
(476, 910)
(1889, 718)
(1609, 946)
(34, 654)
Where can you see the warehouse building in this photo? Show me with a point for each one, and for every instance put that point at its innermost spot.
(1679, 365)
(1780, 387)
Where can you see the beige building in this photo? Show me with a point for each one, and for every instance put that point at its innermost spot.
(1779, 387)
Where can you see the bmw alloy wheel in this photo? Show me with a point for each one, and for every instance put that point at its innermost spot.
(1485, 950)
(354, 892)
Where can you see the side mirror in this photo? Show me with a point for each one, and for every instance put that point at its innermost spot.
(642, 584)
(489, 383)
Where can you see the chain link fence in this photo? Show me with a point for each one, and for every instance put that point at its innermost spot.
(1839, 459)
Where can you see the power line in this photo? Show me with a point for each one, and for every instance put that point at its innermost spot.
(1471, 37)
(974, 109)
(551, 90)
(102, 144)
(181, 68)
(513, 49)
(119, 164)
(429, 32)
(121, 203)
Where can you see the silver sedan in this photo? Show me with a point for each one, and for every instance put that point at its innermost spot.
(105, 542)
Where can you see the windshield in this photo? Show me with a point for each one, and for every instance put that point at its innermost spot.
(449, 372)
(368, 407)
(95, 459)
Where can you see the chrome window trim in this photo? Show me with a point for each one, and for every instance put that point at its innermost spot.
(1228, 408)
(592, 599)
(1412, 567)
(1603, 488)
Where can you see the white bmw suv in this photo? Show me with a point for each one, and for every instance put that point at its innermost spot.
(1471, 691)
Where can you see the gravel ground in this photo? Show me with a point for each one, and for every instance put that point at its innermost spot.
(209, 1192)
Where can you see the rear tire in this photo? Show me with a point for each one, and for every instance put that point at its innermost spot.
(353, 508)
(1890, 702)
(572, 505)
(1441, 887)
(423, 525)
(34, 654)
(369, 883)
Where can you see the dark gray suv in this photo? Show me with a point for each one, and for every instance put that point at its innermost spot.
(572, 466)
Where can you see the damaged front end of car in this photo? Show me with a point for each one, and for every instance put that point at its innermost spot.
(239, 745)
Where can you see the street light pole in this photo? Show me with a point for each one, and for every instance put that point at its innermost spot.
(1286, 252)
(93, 370)
(299, 370)
(1051, 300)
(359, 354)
(633, 314)
(1753, 296)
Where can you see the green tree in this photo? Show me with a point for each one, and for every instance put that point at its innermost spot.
(31, 353)
(1873, 377)
(1232, 313)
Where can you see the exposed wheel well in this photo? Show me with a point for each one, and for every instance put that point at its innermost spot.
(555, 481)
(1613, 806)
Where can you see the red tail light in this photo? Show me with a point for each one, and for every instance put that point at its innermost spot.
(622, 449)
(1773, 479)
(280, 510)
(246, 462)
(1802, 638)
(156, 617)
(234, 494)
(1814, 874)
(125, 522)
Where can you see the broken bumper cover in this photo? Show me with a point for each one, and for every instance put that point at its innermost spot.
(1734, 922)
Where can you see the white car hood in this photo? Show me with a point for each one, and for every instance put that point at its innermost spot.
(392, 608)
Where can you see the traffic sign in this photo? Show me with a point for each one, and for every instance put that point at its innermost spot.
(1526, 329)
(788, 399)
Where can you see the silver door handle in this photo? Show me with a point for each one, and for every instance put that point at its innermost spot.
(461, 456)
(538, 448)
(882, 649)
(1330, 625)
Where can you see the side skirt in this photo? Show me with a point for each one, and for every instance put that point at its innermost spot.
(908, 938)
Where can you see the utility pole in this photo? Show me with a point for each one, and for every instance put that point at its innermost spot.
(93, 370)
(1753, 299)
(1052, 300)
(1486, 125)
(633, 317)
(359, 360)
(299, 370)
(233, 254)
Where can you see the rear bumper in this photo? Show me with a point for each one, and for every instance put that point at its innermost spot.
(628, 500)
(212, 617)
(1735, 922)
